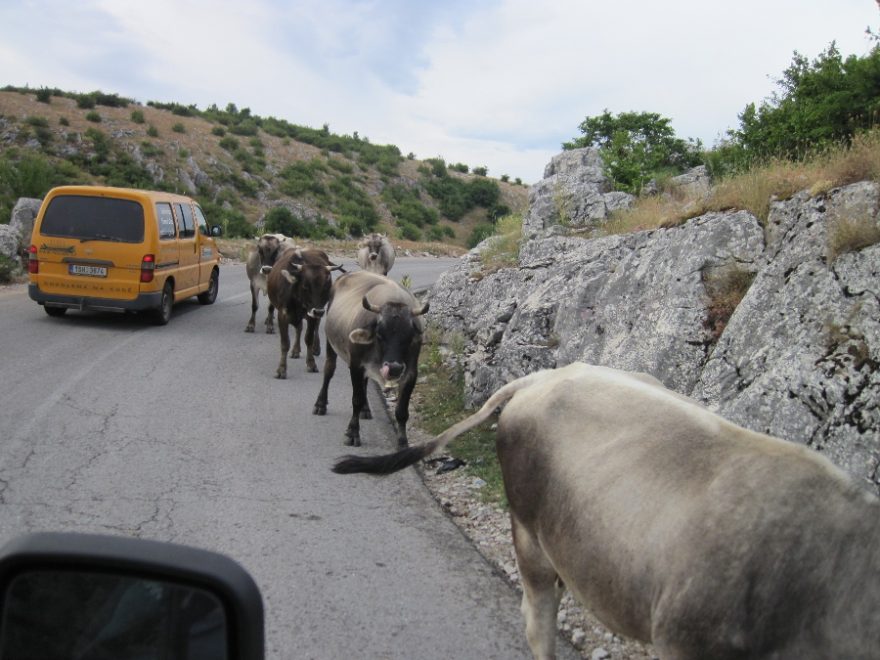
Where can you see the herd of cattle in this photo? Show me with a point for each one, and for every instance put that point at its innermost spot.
(371, 321)
(672, 525)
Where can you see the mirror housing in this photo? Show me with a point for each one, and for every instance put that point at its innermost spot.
(127, 594)
(216, 230)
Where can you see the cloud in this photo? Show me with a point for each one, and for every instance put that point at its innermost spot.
(500, 83)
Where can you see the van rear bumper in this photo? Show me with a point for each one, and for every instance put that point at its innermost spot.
(142, 302)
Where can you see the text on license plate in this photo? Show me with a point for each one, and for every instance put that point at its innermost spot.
(94, 271)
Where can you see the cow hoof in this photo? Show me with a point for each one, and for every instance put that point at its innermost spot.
(269, 330)
(366, 414)
(249, 328)
(281, 374)
(352, 442)
(402, 442)
(319, 410)
(312, 369)
(294, 354)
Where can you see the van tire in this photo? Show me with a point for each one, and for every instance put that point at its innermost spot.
(209, 296)
(162, 314)
(55, 312)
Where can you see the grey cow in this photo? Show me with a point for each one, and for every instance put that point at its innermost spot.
(375, 254)
(674, 526)
(374, 324)
(259, 263)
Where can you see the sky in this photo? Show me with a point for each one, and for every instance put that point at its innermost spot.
(493, 83)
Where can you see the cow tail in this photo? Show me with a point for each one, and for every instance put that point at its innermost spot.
(387, 463)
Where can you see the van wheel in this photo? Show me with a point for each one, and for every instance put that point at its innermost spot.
(209, 296)
(162, 315)
(55, 311)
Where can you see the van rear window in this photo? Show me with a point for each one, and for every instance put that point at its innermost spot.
(94, 219)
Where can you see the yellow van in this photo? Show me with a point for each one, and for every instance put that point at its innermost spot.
(105, 248)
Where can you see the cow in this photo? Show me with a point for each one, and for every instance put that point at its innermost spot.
(672, 525)
(259, 262)
(299, 287)
(375, 254)
(374, 324)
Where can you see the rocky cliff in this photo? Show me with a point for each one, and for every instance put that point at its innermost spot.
(795, 355)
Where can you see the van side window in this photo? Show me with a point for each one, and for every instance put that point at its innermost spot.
(166, 220)
(185, 216)
(203, 224)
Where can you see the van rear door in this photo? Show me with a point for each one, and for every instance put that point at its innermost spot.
(91, 246)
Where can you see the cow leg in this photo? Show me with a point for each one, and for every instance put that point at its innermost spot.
(284, 333)
(295, 352)
(358, 397)
(316, 350)
(311, 333)
(254, 306)
(270, 320)
(401, 411)
(329, 369)
(366, 413)
(542, 591)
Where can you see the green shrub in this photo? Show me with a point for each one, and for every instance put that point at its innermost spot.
(64, 121)
(178, 128)
(481, 232)
(93, 117)
(281, 220)
(409, 232)
(481, 171)
(229, 143)
(152, 131)
(137, 116)
(37, 121)
(218, 130)
(85, 101)
(44, 95)
(9, 269)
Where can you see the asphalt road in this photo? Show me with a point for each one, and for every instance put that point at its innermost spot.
(181, 433)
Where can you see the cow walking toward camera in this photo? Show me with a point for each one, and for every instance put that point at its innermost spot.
(375, 254)
(258, 266)
(374, 324)
(299, 287)
(674, 526)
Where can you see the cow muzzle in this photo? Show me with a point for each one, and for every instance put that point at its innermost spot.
(316, 312)
(392, 371)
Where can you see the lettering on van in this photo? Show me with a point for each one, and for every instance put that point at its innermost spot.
(86, 286)
(58, 249)
(207, 253)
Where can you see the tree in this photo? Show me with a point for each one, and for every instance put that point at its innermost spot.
(636, 147)
(822, 102)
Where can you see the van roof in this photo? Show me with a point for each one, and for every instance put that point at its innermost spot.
(110, 191)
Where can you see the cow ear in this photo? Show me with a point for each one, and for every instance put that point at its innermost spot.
(419, 312)
(361, 336)
(291, 279)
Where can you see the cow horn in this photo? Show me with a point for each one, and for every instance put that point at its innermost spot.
(371, 307)
(297, 268)
(422, 310)
(333, 267)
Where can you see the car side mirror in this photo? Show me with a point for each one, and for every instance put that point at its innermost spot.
(216, 230)
(65, 595)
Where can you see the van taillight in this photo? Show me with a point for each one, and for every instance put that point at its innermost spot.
(148, 265)
(33, 262)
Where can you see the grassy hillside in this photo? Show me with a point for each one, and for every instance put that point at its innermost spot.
(240, 167)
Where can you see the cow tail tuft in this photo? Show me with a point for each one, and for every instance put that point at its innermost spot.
(385, 463)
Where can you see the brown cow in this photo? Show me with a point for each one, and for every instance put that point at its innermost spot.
(673, 525)
(374, 324)
(259, 263)
(375, 254)
(299, 287)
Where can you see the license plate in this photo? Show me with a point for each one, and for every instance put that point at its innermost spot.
(92, 271)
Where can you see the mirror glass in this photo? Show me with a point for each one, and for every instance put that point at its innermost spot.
(55, 615)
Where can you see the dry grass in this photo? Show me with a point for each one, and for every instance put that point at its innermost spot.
(503, 250)
(725, 289)
(850, 234)
(755, 189)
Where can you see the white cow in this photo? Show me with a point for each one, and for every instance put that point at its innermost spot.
(674, 526)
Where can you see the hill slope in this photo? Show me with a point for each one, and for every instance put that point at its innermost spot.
(240, 166)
